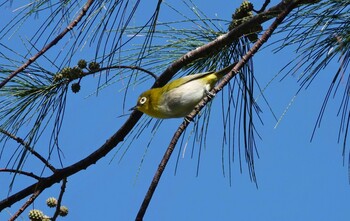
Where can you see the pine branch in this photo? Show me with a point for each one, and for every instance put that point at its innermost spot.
(202, 104)
(59, 200)
(28, 174)
(28, 148)
(220, 42)
(26, 204)
(49, 45)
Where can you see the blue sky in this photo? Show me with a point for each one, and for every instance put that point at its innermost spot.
(297, 179)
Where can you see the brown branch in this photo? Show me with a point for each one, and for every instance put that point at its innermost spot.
(119, 136)
(30, 149)
(160, 171)
(28, 174)
(60, 174)
(138, 68)
(197, 109)
(51, 44)
(219, 43)
(59, 200)
(263, 7)
(25, 205)
(132, 67)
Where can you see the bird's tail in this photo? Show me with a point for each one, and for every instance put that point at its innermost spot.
(224, 71)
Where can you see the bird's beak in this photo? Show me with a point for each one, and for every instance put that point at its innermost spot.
(133, 108)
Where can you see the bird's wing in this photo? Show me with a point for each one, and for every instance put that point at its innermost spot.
(181, 81)
(219, 74)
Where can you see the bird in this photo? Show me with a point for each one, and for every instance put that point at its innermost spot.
(179, 97)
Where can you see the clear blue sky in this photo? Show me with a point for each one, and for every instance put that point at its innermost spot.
(298, 180)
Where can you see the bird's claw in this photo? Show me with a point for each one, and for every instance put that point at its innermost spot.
(211, 95)
(188, 119)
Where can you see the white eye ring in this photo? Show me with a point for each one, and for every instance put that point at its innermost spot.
(143, 100)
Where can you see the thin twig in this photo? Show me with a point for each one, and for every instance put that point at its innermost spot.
(219, 87)
(26, 204)
(49, 45)
(29, 148)
(29, 174)
(138, 68)
(263, 7)
(59, 200)
(132, 67)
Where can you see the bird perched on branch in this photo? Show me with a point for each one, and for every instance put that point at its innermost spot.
(179, 97)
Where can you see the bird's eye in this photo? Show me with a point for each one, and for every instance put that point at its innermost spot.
(143, 100)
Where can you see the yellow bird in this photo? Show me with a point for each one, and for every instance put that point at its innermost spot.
(179, 97)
